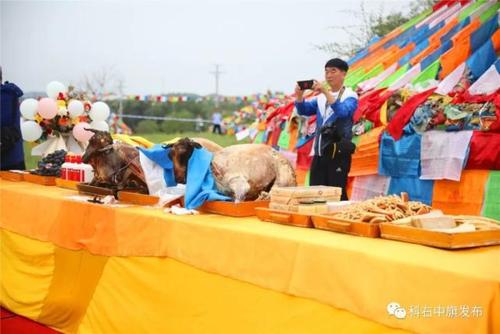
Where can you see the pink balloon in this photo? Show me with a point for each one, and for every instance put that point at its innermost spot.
(80, 133)
(47, 108)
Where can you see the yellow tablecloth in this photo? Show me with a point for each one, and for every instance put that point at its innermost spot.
(104, 270)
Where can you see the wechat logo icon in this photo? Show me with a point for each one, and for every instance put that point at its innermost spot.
(396, 310)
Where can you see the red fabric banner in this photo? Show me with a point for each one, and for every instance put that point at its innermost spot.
(403, 115)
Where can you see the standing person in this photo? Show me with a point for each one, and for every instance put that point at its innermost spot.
(334, 108)
(199, 124)
(11, 142)
(216, 122)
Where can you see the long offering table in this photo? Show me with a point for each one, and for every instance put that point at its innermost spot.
(87, 268)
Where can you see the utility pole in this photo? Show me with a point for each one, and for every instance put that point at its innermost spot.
(120, 105)
(217, 74)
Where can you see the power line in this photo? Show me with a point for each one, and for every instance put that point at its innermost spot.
(163, 118)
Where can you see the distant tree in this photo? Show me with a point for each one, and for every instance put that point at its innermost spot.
(419, 6)
(370, 25)
(147, 126)
(190, 109)
(385, 24)
(174, 126)
(105, 80)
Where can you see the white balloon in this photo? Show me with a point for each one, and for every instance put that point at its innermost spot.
(28, 108)
(75, 108)
(31, 131)
(99, 111)
(54, 88)
(100, 125)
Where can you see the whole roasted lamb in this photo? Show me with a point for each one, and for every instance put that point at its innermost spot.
(116, 165)
(243, 172)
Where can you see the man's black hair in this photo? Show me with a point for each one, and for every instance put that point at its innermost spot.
(337, 63)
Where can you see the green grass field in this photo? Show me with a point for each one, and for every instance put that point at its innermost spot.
(222, 140)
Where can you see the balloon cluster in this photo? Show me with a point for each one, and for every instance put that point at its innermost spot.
(62, 113)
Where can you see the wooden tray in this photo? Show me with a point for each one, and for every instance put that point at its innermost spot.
(306, 192)
(67, 184)
(137, 198)
(12, 176)
(331, 223)
(284, 217)
(242, 209)
(39, 179)
(143, 199)
(440, 239)
(85, 189)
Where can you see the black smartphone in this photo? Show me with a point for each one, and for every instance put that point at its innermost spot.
(305, 84)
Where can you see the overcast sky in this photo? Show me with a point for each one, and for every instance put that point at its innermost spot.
(172, 46)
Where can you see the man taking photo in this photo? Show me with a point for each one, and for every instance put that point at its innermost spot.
(334, 108)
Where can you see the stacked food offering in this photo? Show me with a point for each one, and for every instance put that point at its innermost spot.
(383, 209)
(304, 200)
(437, 221)
(444, 231)
(394, 217)
(363, 218)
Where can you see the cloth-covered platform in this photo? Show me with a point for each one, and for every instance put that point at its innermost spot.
(86, 268)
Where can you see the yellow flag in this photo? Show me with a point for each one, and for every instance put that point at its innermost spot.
(383, 113)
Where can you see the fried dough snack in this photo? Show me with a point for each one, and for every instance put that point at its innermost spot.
(383, 209)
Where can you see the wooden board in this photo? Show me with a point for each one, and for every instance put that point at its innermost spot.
(39, 179)
(12, 176)
(284, 217)
(331, 223)
(242, 209)
(440, 239)
(67, 184)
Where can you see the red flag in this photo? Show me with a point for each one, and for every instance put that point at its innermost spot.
(465, 96)
(303, 158)
(484, 152)
(403, 115)
(285, 111)
(372, 112)
(366, 103)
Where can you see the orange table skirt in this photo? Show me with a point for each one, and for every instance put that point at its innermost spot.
(83, 293)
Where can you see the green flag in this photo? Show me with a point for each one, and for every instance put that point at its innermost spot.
(372, 73)
(259, 139)
(416, 20)
(429, 73)
(354, 77)
(466, 13)
(308, 176)
(491, 206)
(284, 139)
(394, 76)
(489, 13)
